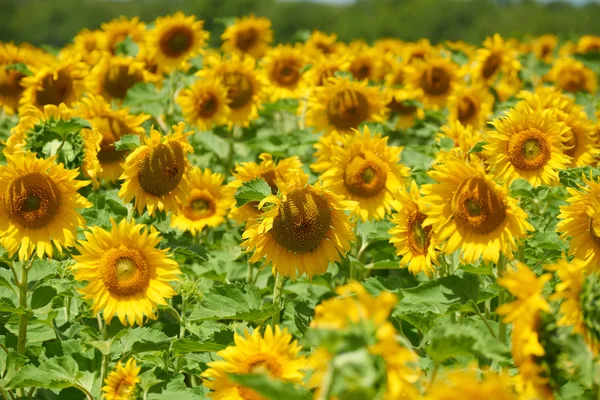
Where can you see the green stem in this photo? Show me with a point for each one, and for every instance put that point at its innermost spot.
(24, 317)
(182, 318)
(85, 391)
(326, 385)
(105, 357)
(4, 394)
(521, 256)
(277, 297)
(485, 321)
(249, 274)
(501, 298)
(436, 367)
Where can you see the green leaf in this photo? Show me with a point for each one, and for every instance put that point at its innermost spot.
(176, 389)
(547, 241)
(139, 340)
(127, 47)
(19, 67)
(42, 296)
(215, 143)
(54, 373)
(70, 126)
(127, 142)
(270, 388)
(254, 190)
(186, 345)
(478, 148)
(145, 98)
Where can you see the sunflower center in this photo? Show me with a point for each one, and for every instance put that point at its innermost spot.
(477, 207)
(262, 363)
(365, 175)
(347, 109)
(33, 200)
(124, 271)
(201, 205)
(111, 129)
(162, 168)
(574, 81)
(10, 84)
(360, 70)
(590, 298)
(286, 73)
(546, 50)
(119, 79)
(490, 65)
(435, 81)
(207, 106)
(592, 230)
(327, 73)
(239, 89)
(303, 221)
(529, 150)
(246, 39)
(177, 41)
(466, 110)
(400, 107)
(54, 90)
(418, 236)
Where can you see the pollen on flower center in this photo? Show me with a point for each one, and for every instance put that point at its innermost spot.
(529, 150)
(162, 168)
(33, 200)
(54, 90)
(303, 221)
(477, 207)
(177, 41)
(124, 271)
(365, 175)
(239, 89)
(347, 109)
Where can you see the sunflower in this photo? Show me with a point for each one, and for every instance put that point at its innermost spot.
(459, 46)
(342, 105)
(115, 31)
(588, 44)
(474, 213)
(418, 51)
(175, 39)
(549, 97)
(473, 384)
(543, 47)
(60, 82)
(324, 151)
(11, 87)
(242, 83)
(282, 70)
(304, 230)
(403, 106)
(580, 221)
(156, 174)
(270, 171)
(126, 273)
(415, 244)
(36, 128)
(464, 138)
(572, 76)
(39, 200)
(206, 204)
(470, 105)
(496, 57)
(391, 46)
(111, 125)
(527, 144)
(275, 354)
(248, 36)
(366, 64)
(113, 76)
(507, 86)
(122, 381)
(320, 45)
(324, 67)
(435, 77)
(524, 314)
(205, 104)
(365, 169)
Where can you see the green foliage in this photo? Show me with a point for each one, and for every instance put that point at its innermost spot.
(127, 142)
(254, 190)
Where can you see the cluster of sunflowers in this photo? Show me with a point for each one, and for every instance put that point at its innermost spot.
(429, 214)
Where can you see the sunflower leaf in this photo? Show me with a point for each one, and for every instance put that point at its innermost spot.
(478, 148)
(127, 142)
(254, 190)
(21, 68)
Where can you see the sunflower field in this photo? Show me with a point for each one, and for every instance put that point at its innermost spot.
(310, 220)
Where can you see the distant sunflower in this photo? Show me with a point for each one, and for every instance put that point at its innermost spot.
(117, 30)
(156, 174)
(473, 213)
(418, 51)
(464, 138)
(248, 36)
(121, 382)
(544, 46)
(111, 125)
(403, 106)
(126, 273)
(527, 144)
(496, 57)
(304, 230)
(342, 105)
(391, 46)
(588, 44)
(282, 70)
(39, 203)
(270, 171)
(206, 203)
(436, 78)
(241, 81)
(11, 87)
(459, 46)
(366, 64)
(507, 86)
(549, 97)
(320, 44)
(324, 151)
(176, 38)
(324, 67)
(205, 104)
(572, 76)
(274, 354)
(471, 384)
(470, 105)
(113, 76)
(61, 82)
(365, 169)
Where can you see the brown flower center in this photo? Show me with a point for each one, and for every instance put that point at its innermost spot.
(32, 200)
(200, 205)
(361, 69)
(125, 271)
(286, 73)
(177, 41)
(10, 87)
(365, 175)
(162, 168)
(573, 81)
(246, 39)
(529, 150)
(491, 65)
(467, 109)
(207, 106)
(239, 89)
(418, 236)
(119, 79)
(347, 109)
(54, 90)
(435, 81)
(477, 207)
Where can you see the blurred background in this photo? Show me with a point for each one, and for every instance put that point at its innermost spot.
(55, 22)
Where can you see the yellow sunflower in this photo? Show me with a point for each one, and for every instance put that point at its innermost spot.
(175, 39)
(435, 77)
(473, 384)
(60, 82)
(275, 354)
(418, 51)
(324, 67)
(496, 57)
(324, 151)
(282, 70)
(242, 83)
(115, 31)
(527, 144)
(543, 47)
(126, 273)
(111, 125)
(156, 174)
(39, 201)
(470, 105)
(415, 244)
(580, 221)
(507, 86)
(464, 138)
(402, 106)
(270, 171)
(320, 44)
(463, 47)
(205, 104)
(391, 46)
(122, 381)
(342, 105)
(248, 36)
(572, 76)
(206, 203)
(11, 87)
(113, 76)
(366, 64)
(475, 215)
(588, 44)
(365, 169)
(304, 230)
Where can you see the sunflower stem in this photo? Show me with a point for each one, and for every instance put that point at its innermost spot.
(24, 317)
(249, 274)
(485, 321)
(277, 297)
(501, 298)
(105, 357)
(182, 317)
